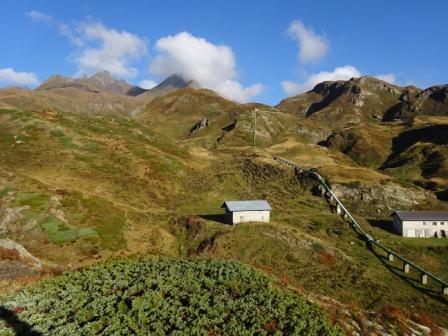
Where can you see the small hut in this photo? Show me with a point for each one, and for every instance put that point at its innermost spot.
(247, 211)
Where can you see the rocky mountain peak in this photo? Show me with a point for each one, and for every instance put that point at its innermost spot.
(99, 82)
(103, 81)
(438, 93)
(414, 102)
(102, 77)
(173, 81)
(325, 88)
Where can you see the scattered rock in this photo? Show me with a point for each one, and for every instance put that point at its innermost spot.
(382, 198)
(50, 114)
(15, 248)
(204, 122)
(9, 215)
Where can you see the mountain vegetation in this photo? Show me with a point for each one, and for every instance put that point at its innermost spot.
(94, 169)
(166, 297)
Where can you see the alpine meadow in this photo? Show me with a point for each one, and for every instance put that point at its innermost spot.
(169, 178)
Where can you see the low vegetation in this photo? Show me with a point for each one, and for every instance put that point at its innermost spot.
(88, 187)
(160, 297)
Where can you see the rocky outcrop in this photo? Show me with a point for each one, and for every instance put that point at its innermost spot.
(338, 103)
(432, 101)
(381, 199)
(356, 89)
(204, 122)
(385, 322)
(8, 245)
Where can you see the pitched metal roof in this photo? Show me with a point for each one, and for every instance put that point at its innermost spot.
(256, 205)
(423, 215)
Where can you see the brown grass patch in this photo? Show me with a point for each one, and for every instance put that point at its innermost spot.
(326, 258)
(8, 254)
(427, 321)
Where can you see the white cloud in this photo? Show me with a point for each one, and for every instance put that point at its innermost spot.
(9, 76)
(147, 84)
(37, 16)
(340, 73)
(390, 78)
(290, 88)
(103, 48)
(67, 31)
(194, 58)
(312, 47)
(235, 91)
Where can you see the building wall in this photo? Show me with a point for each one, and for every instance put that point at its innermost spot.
(420, 228)
(250, 216)
(398, 227)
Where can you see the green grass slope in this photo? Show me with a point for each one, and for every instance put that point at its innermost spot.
(87, 188)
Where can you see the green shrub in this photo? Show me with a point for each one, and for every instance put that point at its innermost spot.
(166, 297)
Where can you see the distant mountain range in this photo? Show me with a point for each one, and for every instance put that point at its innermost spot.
(99, 82)
(336, 102)
(98, 94)
(105, 83)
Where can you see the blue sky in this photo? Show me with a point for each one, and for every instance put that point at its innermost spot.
(246, 50)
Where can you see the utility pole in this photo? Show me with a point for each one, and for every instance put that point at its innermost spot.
(254, 127)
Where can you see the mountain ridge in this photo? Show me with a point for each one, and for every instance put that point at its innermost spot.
(99, 82)
(96, 94)
(367, 98)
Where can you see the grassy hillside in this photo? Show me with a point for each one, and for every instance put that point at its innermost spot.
(307, 245)
(420, 155)
(368, 144)
(77, 172)
(87, 188)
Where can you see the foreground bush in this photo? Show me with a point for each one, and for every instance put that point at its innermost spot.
(160, 297)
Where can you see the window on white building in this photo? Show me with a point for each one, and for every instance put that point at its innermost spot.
(442, 223)
(424, 223)
(434, 223)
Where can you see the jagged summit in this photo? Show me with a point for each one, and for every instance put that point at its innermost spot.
(104, 82)
(354, 84)
(170, 84)
(351, 101)
(173, 81)
(99, 93)
(99, 82)
(414, 102)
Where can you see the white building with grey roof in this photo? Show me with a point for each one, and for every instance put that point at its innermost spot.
(247, 211)
(421, 223)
